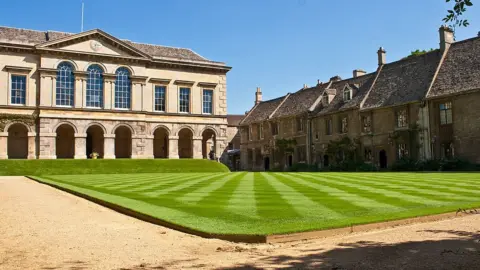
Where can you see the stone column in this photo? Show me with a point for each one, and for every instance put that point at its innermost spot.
(108, 93)
(109, 146)
(80, 146)
(173, 147)
(197, 147)
(3, 145)
(78, 96)
(148, 147)
(32, 145)
(47, 146)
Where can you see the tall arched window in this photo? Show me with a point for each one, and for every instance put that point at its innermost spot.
(65, 84)
(95, 86)
(122, 88)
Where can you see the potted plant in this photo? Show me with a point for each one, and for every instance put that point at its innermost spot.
(94, 155)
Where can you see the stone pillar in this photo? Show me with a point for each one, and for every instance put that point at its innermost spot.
(148, 146)
(47, 146)
(80, 146)
(109, 146)
(78, 96)
(173, 147)
(108, 93)
(254, 159)
(197, 147)
(32, 145)
(3, 145)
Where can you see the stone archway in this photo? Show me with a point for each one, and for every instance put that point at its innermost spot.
(383, 159)
(185, 143)
(160, 143)
(123, 142)
(17, 147)
(65, 141)
(208, 144)
(95, 141)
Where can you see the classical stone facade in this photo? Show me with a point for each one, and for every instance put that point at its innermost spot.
(69, 95)
(422, 107)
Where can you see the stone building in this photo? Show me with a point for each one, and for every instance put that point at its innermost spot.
(231, 154)
(423, 107)
(69, 95)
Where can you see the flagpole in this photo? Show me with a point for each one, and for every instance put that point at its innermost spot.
(83, 5)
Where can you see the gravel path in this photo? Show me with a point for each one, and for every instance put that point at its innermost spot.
(43, 228)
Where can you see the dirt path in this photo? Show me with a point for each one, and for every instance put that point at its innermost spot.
(43, 228)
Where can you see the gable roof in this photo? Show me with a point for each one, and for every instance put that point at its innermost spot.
(403, 81)
(34, 37)
(460, 70)
(360, 84)
(233, 120)
(262, 111)
(300, 101)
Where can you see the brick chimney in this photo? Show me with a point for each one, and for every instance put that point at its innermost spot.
(446, 37)
(258, 96)
(358, 73)
(382, 58)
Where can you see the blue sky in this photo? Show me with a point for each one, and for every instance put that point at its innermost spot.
(277, 45)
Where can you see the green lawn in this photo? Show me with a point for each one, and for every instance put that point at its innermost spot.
(272, 203)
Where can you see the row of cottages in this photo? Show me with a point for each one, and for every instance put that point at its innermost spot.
(423, 107)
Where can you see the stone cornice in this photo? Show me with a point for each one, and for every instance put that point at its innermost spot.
(159, 80)
(47, 72)
(207, 84)
(23, 70)
(139, 79)
(184, 82)
(80, 74)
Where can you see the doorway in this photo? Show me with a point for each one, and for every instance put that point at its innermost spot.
(266, 162)
(383, 159)
(290, 161)
(326, 162)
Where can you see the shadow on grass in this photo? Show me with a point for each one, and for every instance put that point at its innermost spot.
(459, 250)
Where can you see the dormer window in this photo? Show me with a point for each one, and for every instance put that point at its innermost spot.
(347, 93)
(325, 99)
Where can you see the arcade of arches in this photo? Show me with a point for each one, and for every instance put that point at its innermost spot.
(66, 142)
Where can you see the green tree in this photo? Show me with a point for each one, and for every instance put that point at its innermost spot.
(455, 16)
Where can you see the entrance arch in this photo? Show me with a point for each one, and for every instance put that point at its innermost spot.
(326, 162)
(208, 144)
(383, 159)
(123, 142)
(95, 141)
(17, 147)
(185, 143)
(266, 163)
(65, 141)
(160, 143)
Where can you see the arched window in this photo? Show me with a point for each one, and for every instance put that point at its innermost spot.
(122, 89)
(95, 86)
(65, 84)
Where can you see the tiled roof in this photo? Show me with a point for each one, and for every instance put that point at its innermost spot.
(34, 37)
(300, 101)
(403, 81)
(262, 111)
(460, 70)
(360, 85)
(234, 119)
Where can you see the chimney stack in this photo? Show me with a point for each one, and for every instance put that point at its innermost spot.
(382, 58)
(446, 37)
(305, 86)
(319, 82)
(335, 78)
(358, 73)
(258, 96)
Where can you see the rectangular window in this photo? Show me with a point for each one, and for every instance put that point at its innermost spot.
(366, 124)
(274, 129)
(184, 99)
(368, 155)
(402, 150)
(260, 131)
(208, 101)
(285, 126)
(401, 118)
(347, 95)
(344, 125)
(19, 89)
(299, 124)
(160, 98)
(446, 113)
(249, 137)
(328, 126)
(302, 153)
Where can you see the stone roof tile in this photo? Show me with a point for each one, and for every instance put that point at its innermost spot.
(300, 101)
(262, 111)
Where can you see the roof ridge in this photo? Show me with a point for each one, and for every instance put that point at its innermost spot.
(379, 70)
(437, 70)
(279, 105)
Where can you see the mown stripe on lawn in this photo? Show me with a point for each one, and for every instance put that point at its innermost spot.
(183, 186)
(140, 182)
(204, 191)
(268, 201)
(155, 185)
(418, 189)
(302, 204)
(123, 182)
(445, 188)
(446, 177)
(353, 198)
(242, 201)
(379, 188)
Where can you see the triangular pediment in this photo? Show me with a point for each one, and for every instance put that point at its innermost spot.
(94, 42)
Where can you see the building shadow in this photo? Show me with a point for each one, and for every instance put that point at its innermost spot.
(456, 250)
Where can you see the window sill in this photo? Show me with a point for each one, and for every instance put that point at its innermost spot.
(17, 104)
(122, 109)
(63, 106)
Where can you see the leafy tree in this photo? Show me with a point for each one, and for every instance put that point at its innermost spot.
(419, 52)
(454, 16)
